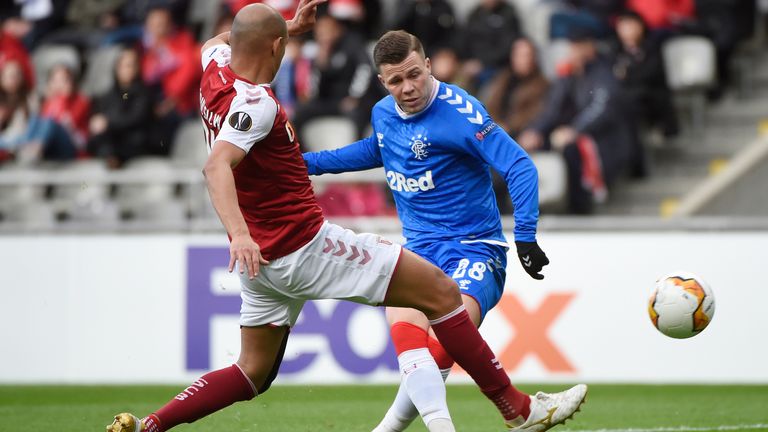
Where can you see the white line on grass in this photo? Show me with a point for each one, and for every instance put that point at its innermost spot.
(680, 428)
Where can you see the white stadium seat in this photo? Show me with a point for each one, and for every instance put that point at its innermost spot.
(151, 181)
(552, 179)
(689, 62)
(326, 133)
(99, 75)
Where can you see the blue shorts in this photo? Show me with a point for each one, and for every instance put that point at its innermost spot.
(479, 269)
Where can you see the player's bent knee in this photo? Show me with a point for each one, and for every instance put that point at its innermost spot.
(442, 298)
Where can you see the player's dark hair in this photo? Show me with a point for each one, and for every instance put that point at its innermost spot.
(394, 46)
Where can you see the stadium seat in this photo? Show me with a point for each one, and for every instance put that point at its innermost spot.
(78, 184)
(189, 148)
(325, 133)
(99, 75)
(19, 183)
(552, 180)
(47, 56)
(169, 214)
(30, 215)
(552, 55)
(689, 62)
(144, 181)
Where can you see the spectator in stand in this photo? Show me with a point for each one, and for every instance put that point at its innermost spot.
(88, 22)
(446, 65)
(32, 20)
(432, 21)
(584, 119)
(287, 8)
(515, 98)
(12, 50)
(726, 23)
(487, 37)
(663, 14)
(119, 126)
(517, 95)
(639, 67)
(342, 76)
(66, 106)
(24, 135)
(593, 14)
(171, 62)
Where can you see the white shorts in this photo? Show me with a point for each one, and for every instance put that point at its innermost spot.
(336, 264)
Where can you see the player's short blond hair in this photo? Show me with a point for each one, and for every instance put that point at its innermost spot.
(394, 46)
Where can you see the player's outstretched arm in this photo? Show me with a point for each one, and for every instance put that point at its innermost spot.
(358, 156)
(221, 187)
(305, 16)
(501, 152)
(221, 38)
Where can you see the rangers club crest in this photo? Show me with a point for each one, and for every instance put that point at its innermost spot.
(419, 146)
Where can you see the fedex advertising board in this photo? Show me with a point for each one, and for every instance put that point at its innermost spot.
(163, 309)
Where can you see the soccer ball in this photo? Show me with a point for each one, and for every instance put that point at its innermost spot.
(681, 305)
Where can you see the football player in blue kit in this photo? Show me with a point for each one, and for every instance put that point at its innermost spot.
(436, 143)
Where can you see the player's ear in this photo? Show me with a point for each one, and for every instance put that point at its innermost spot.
(277, 45)
(381, 80)
(428, 64)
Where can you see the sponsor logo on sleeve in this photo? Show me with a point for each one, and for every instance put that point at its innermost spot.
(240, 121)
(487, 128)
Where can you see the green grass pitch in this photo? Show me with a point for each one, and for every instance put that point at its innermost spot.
(610, 408)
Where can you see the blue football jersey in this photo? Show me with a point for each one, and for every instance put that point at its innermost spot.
(437, 166)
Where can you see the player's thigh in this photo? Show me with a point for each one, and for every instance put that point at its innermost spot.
(409, 315)
(340, 264)
(259, 350)
(480, 273)
(420, 285)
(262, 304)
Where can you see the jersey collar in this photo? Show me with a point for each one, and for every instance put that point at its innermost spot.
(435, 88)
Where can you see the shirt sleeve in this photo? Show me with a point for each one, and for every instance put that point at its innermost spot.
(358, 156)
(221, 53)
(491, 144)
(248, 121)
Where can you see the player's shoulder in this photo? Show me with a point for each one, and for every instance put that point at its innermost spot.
(459, 106)
(221, 54)
(252, 106)
(385, 106)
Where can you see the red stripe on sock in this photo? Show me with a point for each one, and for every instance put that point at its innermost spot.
(210, 393)
(461, 340)
(407, 336)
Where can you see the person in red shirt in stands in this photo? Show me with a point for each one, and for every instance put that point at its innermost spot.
(66, 106)
(171, 59)
(663, 14)
(11, 49)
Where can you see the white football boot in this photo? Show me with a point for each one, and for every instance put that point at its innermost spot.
(126, 422)
(551, 409)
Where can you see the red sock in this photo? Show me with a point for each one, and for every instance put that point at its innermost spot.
(406, 337)
(443, 360)
(210, 393)
(463, 342)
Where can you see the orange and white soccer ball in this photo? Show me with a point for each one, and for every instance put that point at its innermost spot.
(682, 305)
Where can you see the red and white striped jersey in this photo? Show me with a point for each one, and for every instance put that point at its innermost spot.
(273, 188)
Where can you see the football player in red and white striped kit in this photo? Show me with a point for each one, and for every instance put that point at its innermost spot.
(285, 251)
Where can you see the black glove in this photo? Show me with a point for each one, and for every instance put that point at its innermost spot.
(532, 258)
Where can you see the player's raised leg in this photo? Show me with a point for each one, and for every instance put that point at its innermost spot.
(418, 284)
(262, 352)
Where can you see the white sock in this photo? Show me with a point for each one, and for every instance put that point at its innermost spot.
(421, 386)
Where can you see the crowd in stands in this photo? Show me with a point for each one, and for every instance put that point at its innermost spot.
(598, 106)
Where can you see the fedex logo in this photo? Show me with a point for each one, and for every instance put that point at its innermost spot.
(400, 183)
(531, 326)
